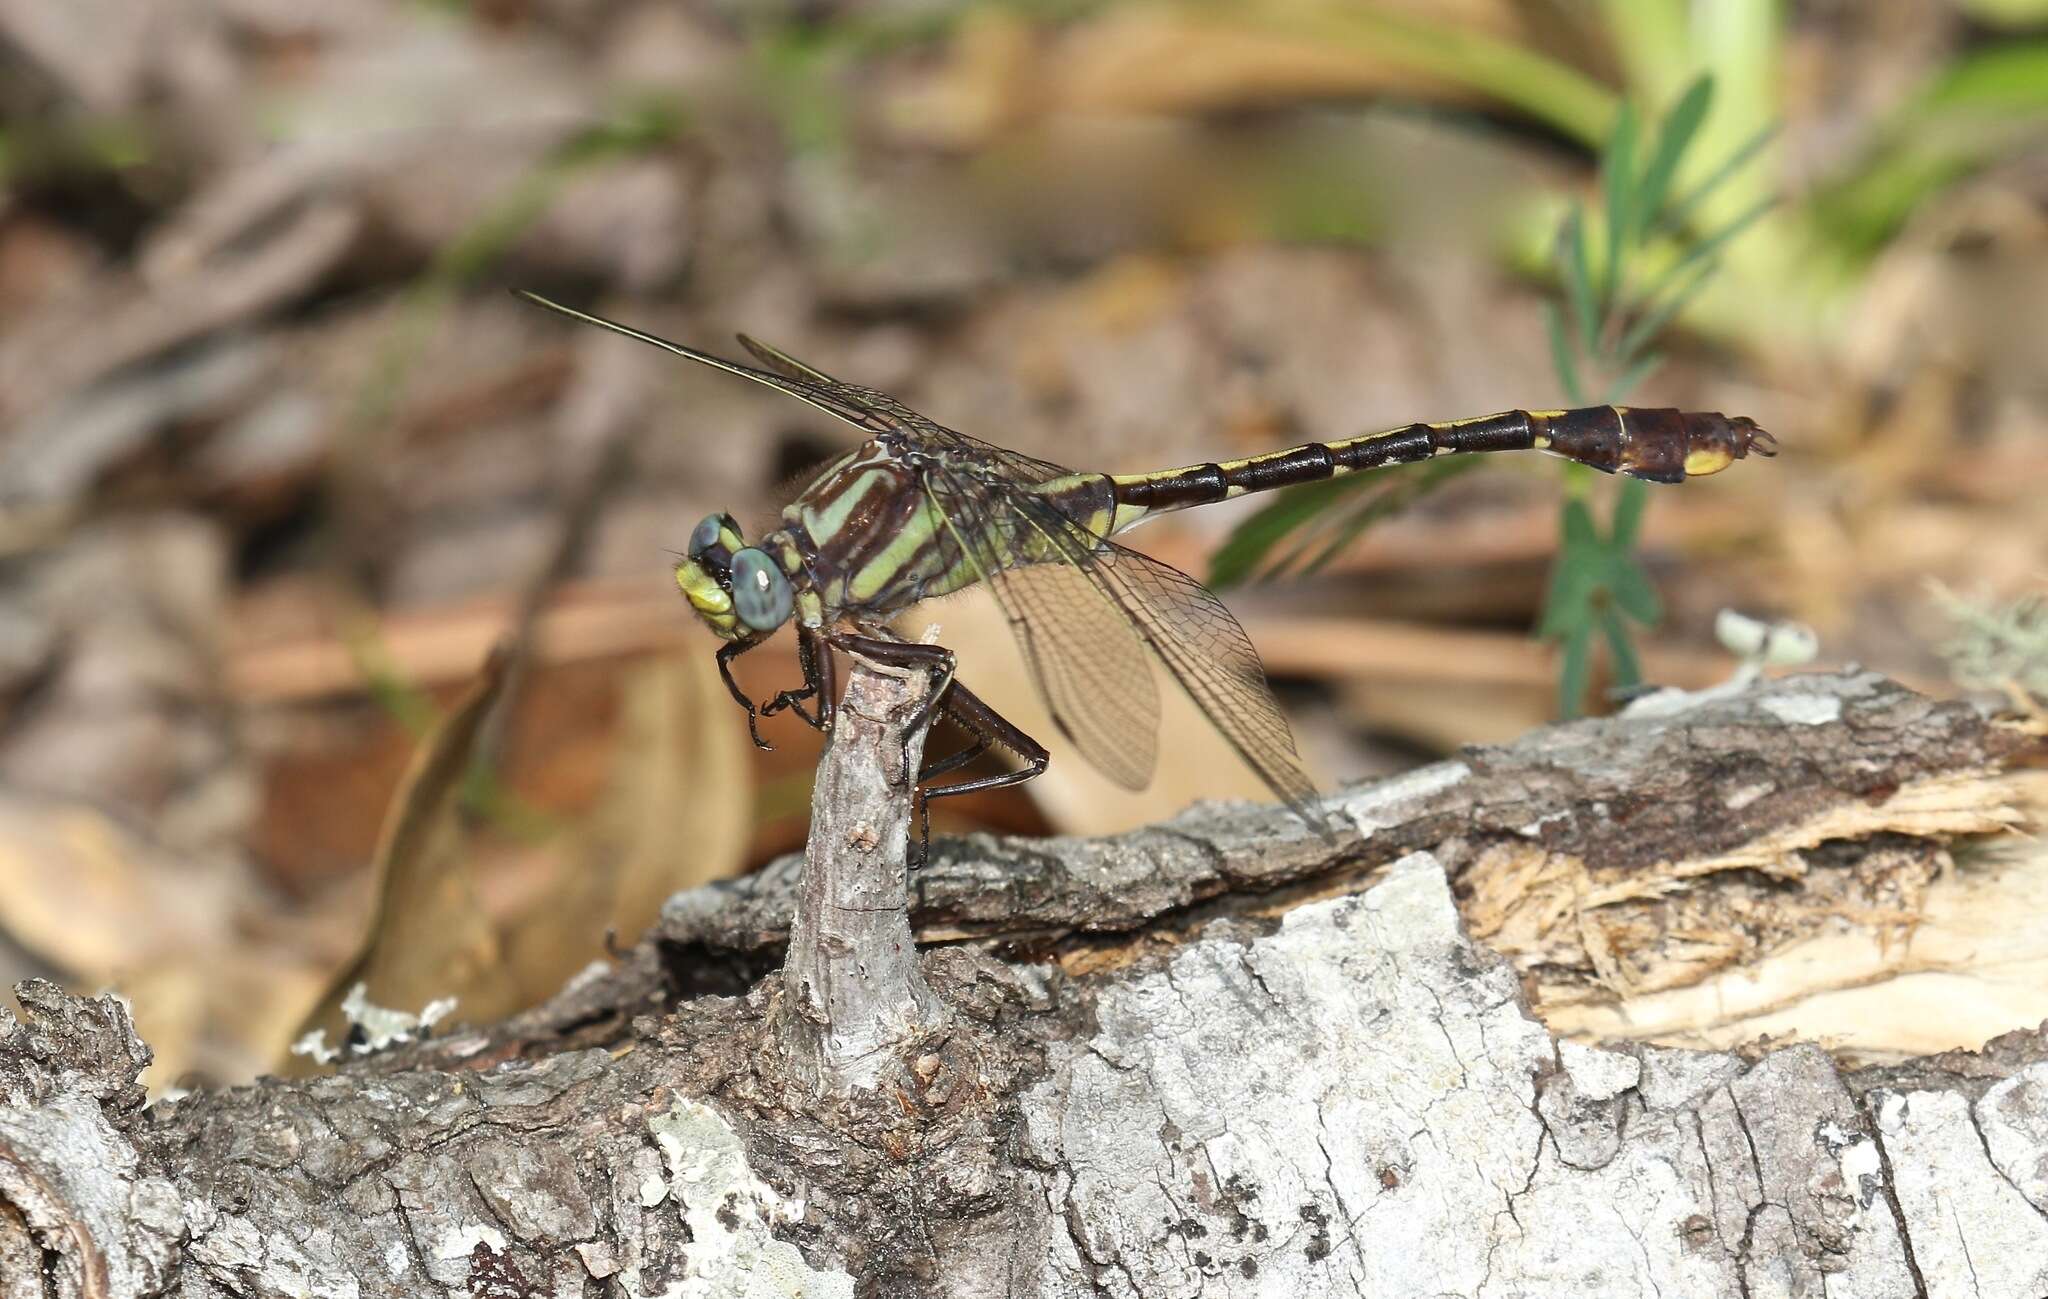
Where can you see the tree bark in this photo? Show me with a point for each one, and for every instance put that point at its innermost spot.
(853, 990)
(1217, 1057)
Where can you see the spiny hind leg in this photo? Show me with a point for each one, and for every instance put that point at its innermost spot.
(988, 729)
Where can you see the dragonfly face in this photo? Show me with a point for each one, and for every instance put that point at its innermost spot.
(739, 591)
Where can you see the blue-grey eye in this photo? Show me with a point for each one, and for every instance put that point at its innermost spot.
(706, 535)
(760, 593)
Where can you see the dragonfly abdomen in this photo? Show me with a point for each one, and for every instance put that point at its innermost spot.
(1660, 444)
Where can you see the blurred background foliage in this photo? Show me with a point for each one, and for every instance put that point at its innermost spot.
(281, 462)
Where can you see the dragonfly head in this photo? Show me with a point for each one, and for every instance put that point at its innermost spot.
(739, 591)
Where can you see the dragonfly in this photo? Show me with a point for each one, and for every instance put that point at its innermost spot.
(918, 510)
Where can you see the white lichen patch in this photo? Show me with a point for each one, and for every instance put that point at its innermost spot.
(1599, 1074)
(2013, 1116)
(1535, 828)
(1743, 795)
(1381, 805)
(381, 1026)
(653, 1190)
(1803, 710)
(1346, 1107)
(384, 1027)
(1776, 644)
(462, 1242)
(314, 1045)
(731, 1214)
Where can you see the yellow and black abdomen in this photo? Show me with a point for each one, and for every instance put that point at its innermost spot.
(1657, 443)
(1660, 444)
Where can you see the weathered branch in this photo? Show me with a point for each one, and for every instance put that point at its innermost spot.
(853, 992)
(1201, 1058)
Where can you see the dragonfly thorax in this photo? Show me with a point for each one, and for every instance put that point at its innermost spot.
(739, 591)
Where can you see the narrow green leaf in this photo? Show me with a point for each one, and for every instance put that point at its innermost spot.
(1313, 535)
(1656, 318)
(2008, 77)
(1573, 670)
(1509, 72)
(1565, 601)
(1561, 358)
(1628, 513)
(1578, 278)
(1254, 539)
(1628, 670)
(1618, 392)
(1579, 531)
(1632, 590)
(1676, 135)
(1699, 262)
(1573, 576)
(1676, 216)
(1417, 482)
(1710, 246)
(1618, 171)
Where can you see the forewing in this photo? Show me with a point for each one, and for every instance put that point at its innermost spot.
(784, 364)
(845, 401)
(1084, 657)
(867, 409)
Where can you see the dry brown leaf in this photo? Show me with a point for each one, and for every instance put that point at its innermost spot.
(427, 937)
(106, 909)
(677, 812)
(93, 899)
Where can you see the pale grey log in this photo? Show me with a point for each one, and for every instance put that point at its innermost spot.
(1350, 1101)
(854, 997)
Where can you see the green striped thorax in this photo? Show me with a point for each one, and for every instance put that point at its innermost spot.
(740, 591)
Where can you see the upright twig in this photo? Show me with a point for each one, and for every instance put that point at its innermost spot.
(854, 997)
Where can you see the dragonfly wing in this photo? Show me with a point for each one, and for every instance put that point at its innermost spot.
(1208, 652)
(784, 364)
(867, 409)
(1084, 657)
(843, 401)
(1089, 667)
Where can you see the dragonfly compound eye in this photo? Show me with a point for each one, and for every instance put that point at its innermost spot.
(717, 533)
(760, 592)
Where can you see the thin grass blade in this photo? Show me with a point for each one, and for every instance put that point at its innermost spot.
(1618, 172)
(1561, 357)
(1621, 650)
(1680, 212)
(1253, 540)
(1676, 135)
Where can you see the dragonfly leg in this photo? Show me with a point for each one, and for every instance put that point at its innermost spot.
(933, 770)
(990, 729)
(726, 654)
(934, 659)
(817, 683)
